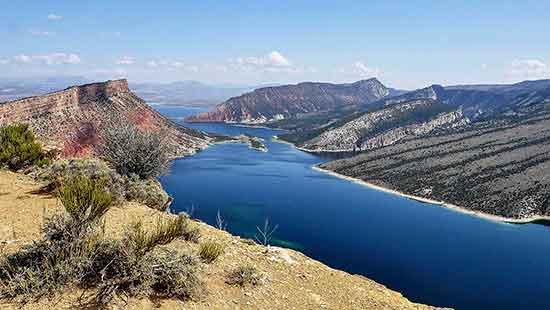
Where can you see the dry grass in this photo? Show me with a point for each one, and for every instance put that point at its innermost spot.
(210, 250)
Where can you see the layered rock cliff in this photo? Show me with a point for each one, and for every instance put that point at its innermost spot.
(70, 120)
(275, 103)
(387, 126)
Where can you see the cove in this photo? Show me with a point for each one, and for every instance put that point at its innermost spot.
(428, 253)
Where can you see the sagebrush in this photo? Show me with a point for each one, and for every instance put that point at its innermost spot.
(130, 150)
(243, 275)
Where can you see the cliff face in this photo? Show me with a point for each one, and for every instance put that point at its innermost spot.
(387, 126)
(70, 120)
(275, 103)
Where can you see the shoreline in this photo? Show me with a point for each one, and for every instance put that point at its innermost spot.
(485, 216)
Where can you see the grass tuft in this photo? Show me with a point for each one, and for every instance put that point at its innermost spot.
(209, 251)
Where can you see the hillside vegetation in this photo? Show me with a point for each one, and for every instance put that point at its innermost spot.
(283, 278)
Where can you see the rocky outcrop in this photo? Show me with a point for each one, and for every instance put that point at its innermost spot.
(70, 120)
(281, 102)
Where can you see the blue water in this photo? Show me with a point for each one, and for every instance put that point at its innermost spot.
(430, 254)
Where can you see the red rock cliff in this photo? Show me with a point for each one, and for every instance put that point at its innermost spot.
(70, 119)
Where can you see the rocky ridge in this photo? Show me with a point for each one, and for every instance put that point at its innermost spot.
(281, 102)
(387, 126)
(70, 120)
(421, 112)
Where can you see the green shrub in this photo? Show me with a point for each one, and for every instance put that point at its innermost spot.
(243, 275)
(85, 200)
(132, 151)
(18, 148)
(210, 251)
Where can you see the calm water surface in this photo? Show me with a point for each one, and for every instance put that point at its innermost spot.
(430, 254)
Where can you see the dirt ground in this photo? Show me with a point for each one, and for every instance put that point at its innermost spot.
(291, 280)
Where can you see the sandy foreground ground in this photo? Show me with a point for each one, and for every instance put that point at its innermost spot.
(291, 280)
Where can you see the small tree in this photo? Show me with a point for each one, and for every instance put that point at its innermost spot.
(131, 151)
(18, 148)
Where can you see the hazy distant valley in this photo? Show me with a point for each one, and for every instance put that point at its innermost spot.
(184, 93)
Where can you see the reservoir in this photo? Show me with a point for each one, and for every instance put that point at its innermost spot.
(430, 254)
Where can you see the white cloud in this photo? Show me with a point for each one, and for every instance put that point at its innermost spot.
(363, 70)
(40, 33)
(530, 69)
(126, 60)
(22, 59)
(54, 17)
(278, 59)
(50, 59)
(172, 65)
(177, 64)
(4, 61)
(271, 60)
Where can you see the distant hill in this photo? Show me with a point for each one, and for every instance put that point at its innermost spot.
(281, 102)
(71, 119)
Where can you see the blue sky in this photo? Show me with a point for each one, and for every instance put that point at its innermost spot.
(406, 44)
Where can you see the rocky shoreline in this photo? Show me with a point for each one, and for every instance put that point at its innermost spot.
(486, 216)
